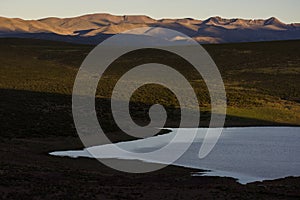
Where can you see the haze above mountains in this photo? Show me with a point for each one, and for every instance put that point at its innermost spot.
(94, 28)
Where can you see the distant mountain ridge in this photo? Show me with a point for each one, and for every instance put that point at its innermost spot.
(94, 28)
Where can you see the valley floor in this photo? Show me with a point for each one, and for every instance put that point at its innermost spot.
(36, 80)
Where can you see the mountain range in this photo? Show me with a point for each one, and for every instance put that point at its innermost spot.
(94, 28)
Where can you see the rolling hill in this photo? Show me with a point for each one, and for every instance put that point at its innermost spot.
(94, 28)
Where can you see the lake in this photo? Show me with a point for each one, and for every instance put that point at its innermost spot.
(247, 154)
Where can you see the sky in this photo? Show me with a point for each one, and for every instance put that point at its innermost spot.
(286, 10)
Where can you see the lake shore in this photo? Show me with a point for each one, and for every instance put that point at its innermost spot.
(28, 172)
